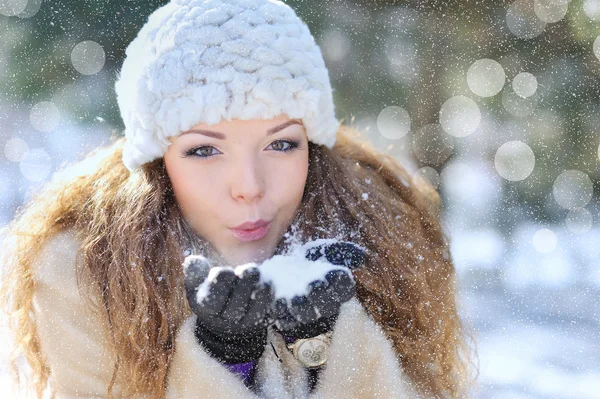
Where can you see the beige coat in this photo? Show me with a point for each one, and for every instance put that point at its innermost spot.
(362, 363)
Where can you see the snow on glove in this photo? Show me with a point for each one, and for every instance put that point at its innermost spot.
(315, 312)
(231, 305)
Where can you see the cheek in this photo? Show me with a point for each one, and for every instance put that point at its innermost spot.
(196, 193)
(288, 181)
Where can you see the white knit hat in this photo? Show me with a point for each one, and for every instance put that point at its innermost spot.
(203, 61)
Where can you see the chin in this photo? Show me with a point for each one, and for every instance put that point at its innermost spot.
(258, 254)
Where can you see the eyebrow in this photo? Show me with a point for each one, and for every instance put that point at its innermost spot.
(221, 136)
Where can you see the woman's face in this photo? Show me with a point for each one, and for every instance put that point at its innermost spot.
(240, 171)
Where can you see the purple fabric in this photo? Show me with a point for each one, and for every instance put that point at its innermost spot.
(289, 340)
(244, 370)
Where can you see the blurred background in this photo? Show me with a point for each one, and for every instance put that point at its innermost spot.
(496, 103)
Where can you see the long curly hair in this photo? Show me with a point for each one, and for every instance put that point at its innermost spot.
(408, 286)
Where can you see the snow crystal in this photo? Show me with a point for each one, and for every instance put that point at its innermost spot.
(393, 122)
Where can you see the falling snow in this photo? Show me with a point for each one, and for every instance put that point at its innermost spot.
(494, 104)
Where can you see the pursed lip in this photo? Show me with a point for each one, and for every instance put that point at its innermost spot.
(251, 231)
(251, 225)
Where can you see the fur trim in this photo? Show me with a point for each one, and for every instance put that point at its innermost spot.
(362, 361)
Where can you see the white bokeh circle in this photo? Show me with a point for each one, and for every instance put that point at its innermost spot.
(460, 116)
(428, 174)
(514, 160)
(15, 149)
(591, 8)
(11, 8)
(525, 84)
(544, 241)
(522, 20)
(32, 8)
(579, 220)
(596, 47)
(486, 77)
(44, 116)
(550, 11)
(393, 122)
(37, 165)
(336, 45)
(88, 57)
(573, 189)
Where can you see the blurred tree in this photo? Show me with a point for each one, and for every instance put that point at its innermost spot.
(414, 54)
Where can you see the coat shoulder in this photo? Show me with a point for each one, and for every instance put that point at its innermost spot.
(57, 257)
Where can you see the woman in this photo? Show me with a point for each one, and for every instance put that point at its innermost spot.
(112, 288)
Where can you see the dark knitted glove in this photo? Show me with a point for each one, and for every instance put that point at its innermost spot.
(231, 309)
(315, 313)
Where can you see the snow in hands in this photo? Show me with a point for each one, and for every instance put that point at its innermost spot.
(290, 275)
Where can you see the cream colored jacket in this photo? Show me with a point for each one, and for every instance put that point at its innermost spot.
(362, 362)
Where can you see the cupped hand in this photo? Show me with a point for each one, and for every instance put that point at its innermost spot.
(231, 307)
(315, 312)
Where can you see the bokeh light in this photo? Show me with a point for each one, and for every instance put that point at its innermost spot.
(544, 241)
(37, 165)
(88, 57)
(551, 11)
(596, 47)
(579, 220)
(32, 8)
(393, 122)
(401, 55)
(460, 116)
(15, 149)
(573, 189)
(486, 77)
(514, 160)
(524, 84)
(522, 20)
(44, 116)
(336, 45)
(428, 174)
(591, 8)
(12, 8)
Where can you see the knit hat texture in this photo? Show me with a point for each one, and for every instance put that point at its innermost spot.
(204, 61)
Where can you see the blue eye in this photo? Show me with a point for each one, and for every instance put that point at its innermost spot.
(205, 151)
(199, 152)
(291, 145)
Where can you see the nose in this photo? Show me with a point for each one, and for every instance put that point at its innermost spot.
(247, 180)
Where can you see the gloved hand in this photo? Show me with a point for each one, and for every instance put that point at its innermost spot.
(316, 312)
(231, 309)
